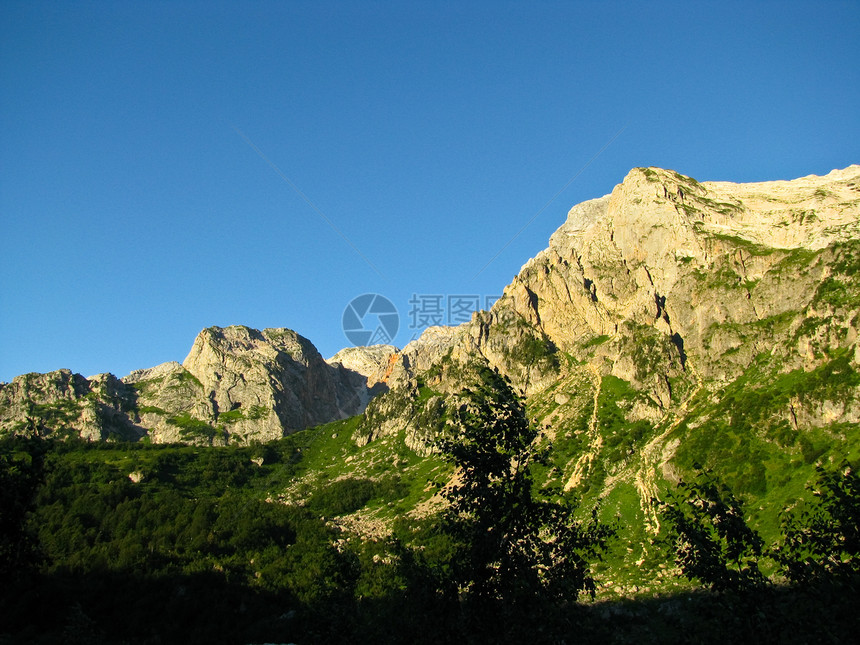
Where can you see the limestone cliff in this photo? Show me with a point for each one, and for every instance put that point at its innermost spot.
(678, 290)
(371, 364)
(41, 404)
(236, 384)
(270, 382)
(664, 254)
(670, 290)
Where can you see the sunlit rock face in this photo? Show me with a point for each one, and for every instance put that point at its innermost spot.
(667, 284)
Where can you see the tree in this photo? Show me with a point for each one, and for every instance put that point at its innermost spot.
(823, 540)
(21, 473)
(515, 545)
(710, 537)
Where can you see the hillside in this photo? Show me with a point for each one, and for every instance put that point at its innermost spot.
(670, 326)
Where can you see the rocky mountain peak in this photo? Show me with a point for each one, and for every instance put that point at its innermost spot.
(668, 280)
(664, 283)
(373, 362)
(236, 384)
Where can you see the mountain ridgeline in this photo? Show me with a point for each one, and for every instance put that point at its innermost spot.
(670, 326)
(235, 384)
(671, 288)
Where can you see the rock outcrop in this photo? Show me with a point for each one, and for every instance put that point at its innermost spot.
(668, 284)
(675, 289)
(60, 401)
(373, 364)
(237, 384)
(270, 382)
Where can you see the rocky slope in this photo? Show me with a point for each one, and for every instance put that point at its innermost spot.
(671, 325)
(68, 404)
(236, 384)
(649, 306)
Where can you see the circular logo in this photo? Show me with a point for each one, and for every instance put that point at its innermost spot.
(370, 319)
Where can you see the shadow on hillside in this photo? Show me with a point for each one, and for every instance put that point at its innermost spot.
(825, 614)
(206, 608)
(116, 608)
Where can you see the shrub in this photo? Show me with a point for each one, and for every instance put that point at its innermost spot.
(711, 540)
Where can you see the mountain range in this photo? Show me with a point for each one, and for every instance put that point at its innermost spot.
(670, 326)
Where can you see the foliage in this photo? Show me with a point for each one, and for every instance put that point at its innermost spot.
(55, 414)
(195, 530)
(343, 496)
(256, 412)
(711, 539)
(184, 377)
(595, 341)
(231, 416)
(200, 542)
(21, 471)
(823, 540)
(528, 345)
(512, 544)
(192, 428)
(746, 432)
(152, 409)
(534, 349)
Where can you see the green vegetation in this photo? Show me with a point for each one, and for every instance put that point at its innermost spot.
(710, 537)
(202, 540)
(147, 387)
(529, 346)
(747, 432)
(714, 544)
(649, 349)
(231, 416)
(512, 545)
(534, 350)
(256, 412)
(724, 208)
(750, 247)
(348, 495)
(192, 428)
(650, 174)
(620, 436)
(152, 409)
(821, 541)
(595, 341)
(184, 377)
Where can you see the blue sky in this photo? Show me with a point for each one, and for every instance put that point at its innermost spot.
(152, 154)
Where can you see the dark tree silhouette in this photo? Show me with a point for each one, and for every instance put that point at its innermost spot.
(21, 472)
(516, 545)
(823, 540)
(710, 537)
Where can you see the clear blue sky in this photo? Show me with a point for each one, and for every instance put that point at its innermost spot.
(135, 211)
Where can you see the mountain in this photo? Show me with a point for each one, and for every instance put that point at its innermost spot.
(674, 287)
(670, 327)
(235, 384)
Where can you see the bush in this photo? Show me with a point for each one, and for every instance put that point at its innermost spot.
(823, 540)
(343, 496)
(711, 540)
